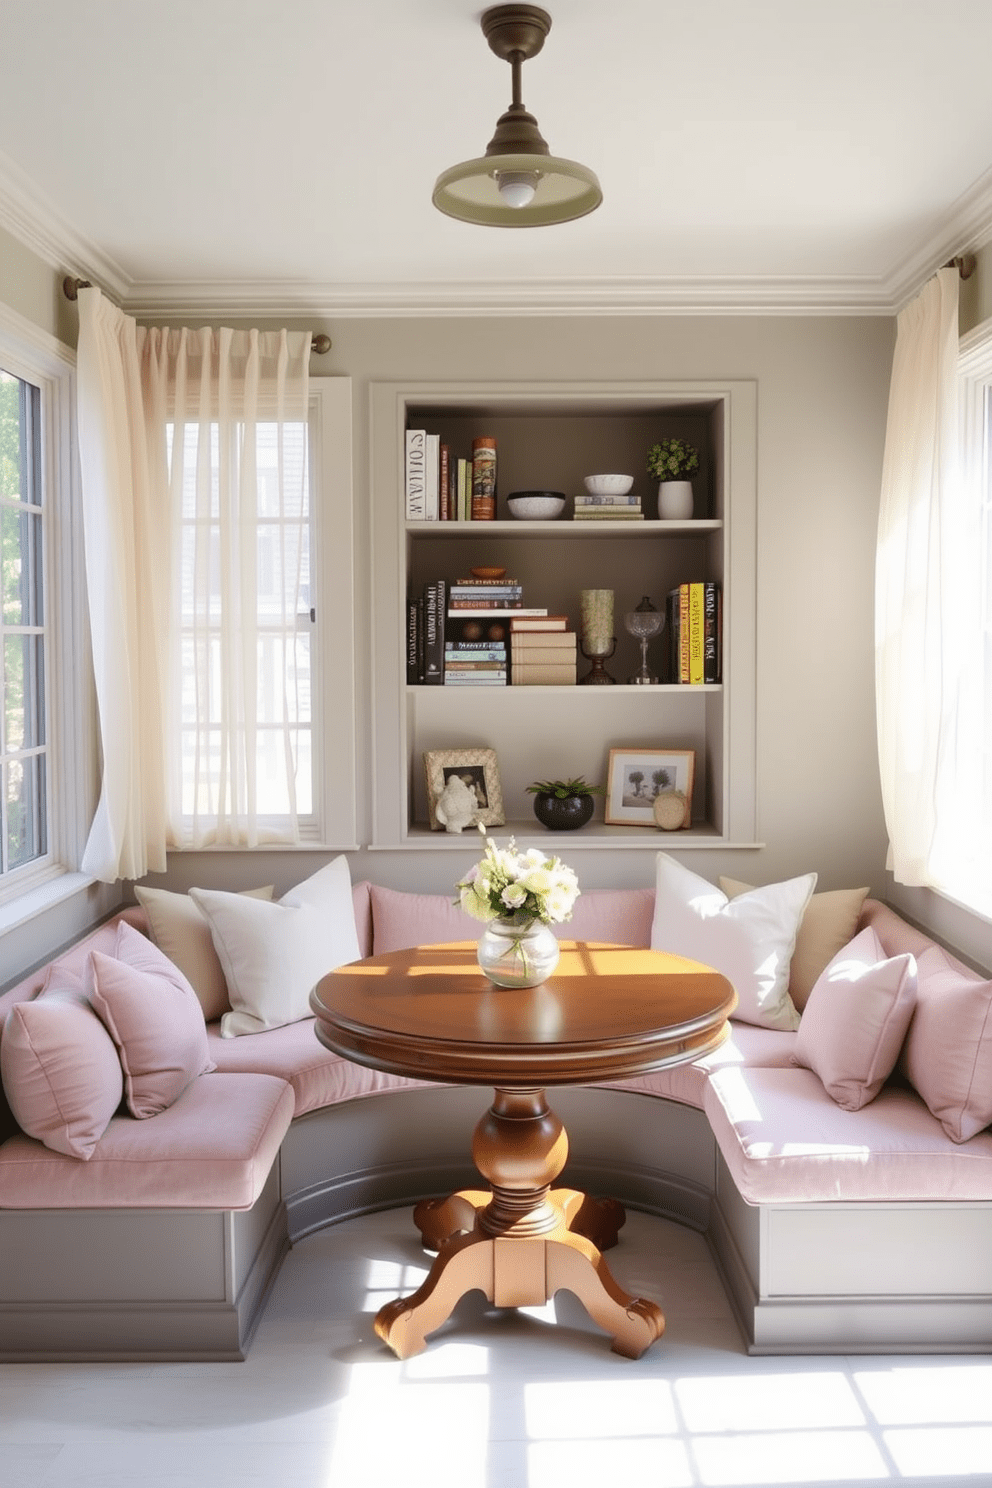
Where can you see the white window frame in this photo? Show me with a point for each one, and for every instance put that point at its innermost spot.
(70, 715)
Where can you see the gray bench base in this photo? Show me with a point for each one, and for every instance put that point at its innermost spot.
(176, 1285)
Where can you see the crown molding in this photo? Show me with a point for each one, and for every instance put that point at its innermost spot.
(34, 221)
(966, 229)
(537, 297)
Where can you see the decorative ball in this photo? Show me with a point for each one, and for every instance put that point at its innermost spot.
(472, 630)
(671, 810)
(495, 632)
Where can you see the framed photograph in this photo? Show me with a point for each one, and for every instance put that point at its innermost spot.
(478, 769)
(637, 776)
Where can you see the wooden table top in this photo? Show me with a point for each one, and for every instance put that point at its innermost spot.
(606, 1012)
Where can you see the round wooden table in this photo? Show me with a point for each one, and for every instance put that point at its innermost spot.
(607, 1012)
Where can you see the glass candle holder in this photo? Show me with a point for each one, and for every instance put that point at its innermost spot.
(644, 624)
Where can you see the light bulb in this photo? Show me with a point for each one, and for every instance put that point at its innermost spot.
(517, 188)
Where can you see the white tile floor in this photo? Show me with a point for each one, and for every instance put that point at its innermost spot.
(498, 1400)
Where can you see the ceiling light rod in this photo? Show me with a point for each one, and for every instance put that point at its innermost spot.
(518, 182)
(319, 342)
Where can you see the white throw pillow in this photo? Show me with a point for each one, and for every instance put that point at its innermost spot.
(750, 939)
(273, 955)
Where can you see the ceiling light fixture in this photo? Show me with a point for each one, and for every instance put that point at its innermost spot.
(518, 182)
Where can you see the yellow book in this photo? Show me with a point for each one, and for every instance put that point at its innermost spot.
(696, 632)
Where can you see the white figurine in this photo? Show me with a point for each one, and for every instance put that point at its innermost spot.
(457, 806)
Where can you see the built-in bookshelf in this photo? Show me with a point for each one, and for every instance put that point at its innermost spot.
(548, 437)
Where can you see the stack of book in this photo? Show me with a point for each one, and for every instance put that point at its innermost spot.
(485, 594)
(695, 633)
(441, 487)
(475, 663)
(608, 509)
(542, 652)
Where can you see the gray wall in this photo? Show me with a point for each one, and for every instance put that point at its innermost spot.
(822, 393)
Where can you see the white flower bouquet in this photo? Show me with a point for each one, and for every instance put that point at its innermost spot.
(518, 886)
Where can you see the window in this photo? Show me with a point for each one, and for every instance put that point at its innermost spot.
(23, 732)
(45, 793)
(301, 669)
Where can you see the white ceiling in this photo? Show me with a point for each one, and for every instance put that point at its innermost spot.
(280, 154)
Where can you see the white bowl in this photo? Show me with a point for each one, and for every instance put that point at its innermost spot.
(535, 506)
(608, 485)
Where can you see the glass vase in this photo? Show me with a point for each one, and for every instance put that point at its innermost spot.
(517, 953)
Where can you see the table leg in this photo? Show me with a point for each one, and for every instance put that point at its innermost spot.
(519, 1242)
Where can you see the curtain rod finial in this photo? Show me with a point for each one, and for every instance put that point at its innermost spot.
(72, 286)
(320, 344)
(964, 263)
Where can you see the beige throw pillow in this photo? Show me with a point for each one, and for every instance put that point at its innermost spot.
(830, 921)
(183, 934)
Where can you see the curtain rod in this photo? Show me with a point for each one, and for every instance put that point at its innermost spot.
(964, 263)
(319, 343)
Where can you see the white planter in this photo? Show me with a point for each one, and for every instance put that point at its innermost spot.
(675, 500)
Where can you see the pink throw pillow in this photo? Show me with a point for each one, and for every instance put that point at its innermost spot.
(60, 1069)
(855, 1021)
(947, 1056)
(401, 920)
(154, 1018)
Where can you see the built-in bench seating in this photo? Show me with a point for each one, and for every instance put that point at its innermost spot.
(836, 1230)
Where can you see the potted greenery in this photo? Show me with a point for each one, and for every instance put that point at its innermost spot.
(563, 805)
(673, 461)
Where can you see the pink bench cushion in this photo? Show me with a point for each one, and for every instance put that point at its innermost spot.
(212, 1149)
(747, 1044)
(293, 1053)
(401, 920)
(785, 1141)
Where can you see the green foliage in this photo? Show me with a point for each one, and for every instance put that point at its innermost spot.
(672, 459)
(562, 789)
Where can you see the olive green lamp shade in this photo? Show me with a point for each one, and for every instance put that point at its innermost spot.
(562, 190)
(518, 182)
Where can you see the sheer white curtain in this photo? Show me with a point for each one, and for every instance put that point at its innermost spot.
(925, 613)
(196, 508)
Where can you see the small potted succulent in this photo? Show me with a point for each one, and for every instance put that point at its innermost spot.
(564, 805)
(672, 462)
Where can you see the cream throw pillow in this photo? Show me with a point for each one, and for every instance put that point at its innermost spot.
(273, 955)
(829, 923)
(181, 933)
(749, 939)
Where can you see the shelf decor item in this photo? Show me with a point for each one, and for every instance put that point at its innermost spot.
(564, 805)
(518, 182)
(535, 506)
(597, 641)
(477, 769)
(637, 777)
(644, 624)
(518, 896)
(672, 461)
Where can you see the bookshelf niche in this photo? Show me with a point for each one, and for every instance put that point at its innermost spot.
(548, 437)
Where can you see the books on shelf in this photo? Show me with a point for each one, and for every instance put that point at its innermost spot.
(488, 594)
(608, 509)
(483, 479)
(434, 616)
(524, 620)
(543, 658)
(440, 485)
(416, 475)
(694, 612)
(543, 674)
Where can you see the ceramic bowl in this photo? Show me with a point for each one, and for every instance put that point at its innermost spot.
(488, 573)
(535, 506)
(608, 485)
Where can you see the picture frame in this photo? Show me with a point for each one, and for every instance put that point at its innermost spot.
(637, 776)
(480, 771)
